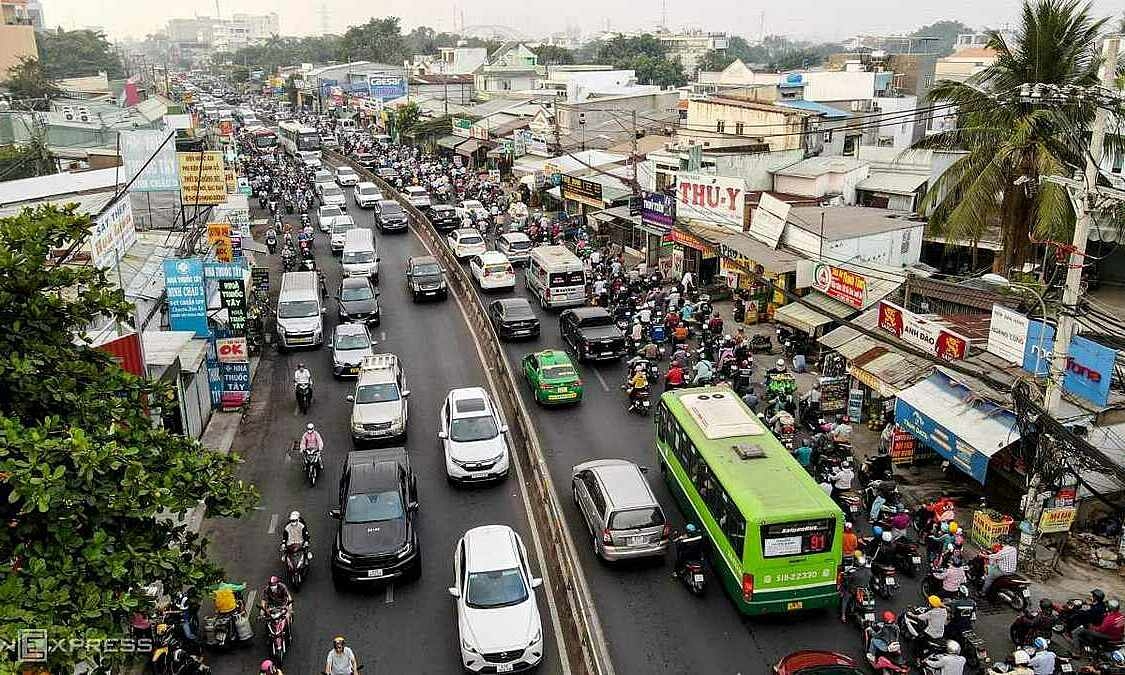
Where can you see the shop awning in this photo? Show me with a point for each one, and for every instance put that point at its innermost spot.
(555, 192)
(799, 316)
(959, 425)
(450, 142)
(831, 306)
(733, 244)
(468, 147)
(894, 183)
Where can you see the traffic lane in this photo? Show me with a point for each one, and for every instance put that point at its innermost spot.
(418, 613)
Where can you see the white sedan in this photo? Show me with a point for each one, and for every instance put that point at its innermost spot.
(466, 242)
(497, 615)
(492, 271)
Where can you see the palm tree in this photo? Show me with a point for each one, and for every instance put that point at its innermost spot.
(1007, 139)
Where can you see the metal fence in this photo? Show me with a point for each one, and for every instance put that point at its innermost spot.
(581, 627)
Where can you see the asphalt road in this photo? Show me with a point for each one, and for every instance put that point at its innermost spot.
(407, 628)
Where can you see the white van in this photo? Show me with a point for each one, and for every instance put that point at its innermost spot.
(299, 311)
(556, 276)
(359, 258)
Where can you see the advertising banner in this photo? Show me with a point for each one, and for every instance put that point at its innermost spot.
(1089, 365)
(218, 238)
(187, 303)
(1007, 334)
(112, 234)
(387, 87)
(162, 173)
(658, 211)
(213, 269)
(462, 126)
(835, 282)
(1057, 519)
(712, 199)
(942, 440)
(922, 333)
(202, 178)
(232, 297)
(768, 223)
(236, 383)
(582, 191)
(232, 350)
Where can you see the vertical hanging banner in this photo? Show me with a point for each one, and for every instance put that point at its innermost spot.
(187, 302)
(162, 173)
(202, 177)
(232, 296)
(218, 238)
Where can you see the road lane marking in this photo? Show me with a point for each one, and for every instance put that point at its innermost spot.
(390, 595)
(383, 335)
(601, 380)
(273, 524)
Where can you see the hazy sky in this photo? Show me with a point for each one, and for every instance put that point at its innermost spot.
(799, 18)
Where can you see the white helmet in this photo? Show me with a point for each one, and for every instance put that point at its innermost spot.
(294, 516)
(310, 426)
(781, 363)
(1020, 657)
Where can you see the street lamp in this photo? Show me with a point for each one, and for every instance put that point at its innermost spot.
(1004, 282)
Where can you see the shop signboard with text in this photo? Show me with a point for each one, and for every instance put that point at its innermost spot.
(835, 282)
(711, 199)
(582, 191)
(462, 126)
(187, 303)
(945, 442)
(1088, 367)
(218, 238)
(202, 177)
(161, 174)
(387, 87)
(112, 234)
(1007, 334)
(658, 211)
(923, 333)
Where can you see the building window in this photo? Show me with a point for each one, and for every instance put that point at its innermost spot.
(1118, 161)
(849, 145)
(738, 127)
(720, 126)
(828, 136)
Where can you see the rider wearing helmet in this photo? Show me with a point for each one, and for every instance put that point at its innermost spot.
(1091, 615)
(275, 594)
(934, 618)
(340, 659)
(1042, 661)
(949, 663)
(1111, 630)
(296, 531)
(689, 548)
(1020, 660)
(268, 668)
(311, 439)
(854, 579)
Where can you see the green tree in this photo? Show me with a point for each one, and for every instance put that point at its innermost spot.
(377, 40)
(426, 40)
(552, 55)
(406, 119)
(715, 60)
(946, 32)
(27, 80)
(1007, 139)
(87, 479)
(26, 161)
(75, 53)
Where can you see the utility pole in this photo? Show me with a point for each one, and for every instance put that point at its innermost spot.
(1083, 193)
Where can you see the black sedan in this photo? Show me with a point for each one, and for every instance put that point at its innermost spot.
(367, 160)
(390, 216)
(592, 333)
(358, 301)
(443, 216)
(513, 319)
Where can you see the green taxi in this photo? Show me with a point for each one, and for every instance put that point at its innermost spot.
(553, 377)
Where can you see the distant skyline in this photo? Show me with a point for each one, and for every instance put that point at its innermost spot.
(806, 19)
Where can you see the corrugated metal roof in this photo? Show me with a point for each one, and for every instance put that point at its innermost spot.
(42, 187)
(978, 423)
(818, 166)
(90, 204)
(812, 106)
(894, 183)
(801, 317)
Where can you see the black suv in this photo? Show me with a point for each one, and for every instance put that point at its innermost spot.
(425, 278)
(390, 216)
(592, 334)
(367, 160)
(377, 536)
(513, 318)
(443, 216)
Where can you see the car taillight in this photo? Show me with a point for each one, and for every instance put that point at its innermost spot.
(747, 587)
(607, 538)
(667, 531)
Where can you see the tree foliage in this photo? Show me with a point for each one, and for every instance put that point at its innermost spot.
(645, 55)
(1007, 139)
(28, 80)
(552, 55)
(378, 40)
(26, 161)
(86, 479)
(947, 32)
(76, 53)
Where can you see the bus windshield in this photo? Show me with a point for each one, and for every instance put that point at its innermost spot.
(266, 140)
(308, 141)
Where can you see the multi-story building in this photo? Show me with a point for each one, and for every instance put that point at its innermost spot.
(580, 82)
(513, 67)
(449, 61)
(733, 120)
(17, 33)
(689, 48)
(241, 30)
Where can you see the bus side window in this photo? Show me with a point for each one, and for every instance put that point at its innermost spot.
(733, 524)
(661, 420)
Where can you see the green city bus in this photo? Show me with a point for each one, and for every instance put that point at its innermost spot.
(775, 535)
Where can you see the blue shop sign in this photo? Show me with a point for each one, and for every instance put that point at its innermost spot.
(1089, 365)
(236, 376)
(942, 440)
(387, 87)
(187, 300)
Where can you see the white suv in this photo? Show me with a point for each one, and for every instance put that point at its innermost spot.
(492, 270)
(346, 176)
(497, 614)
(367, 195)
(474, 437)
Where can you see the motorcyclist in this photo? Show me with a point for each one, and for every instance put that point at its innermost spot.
(312, 440)
(1042, 661)
(842, 479)
(703, 373)
(934, 618)
(842, 432)
(689, 548)
(851, 541)
(674, 378)
(269, 668)
(949, 663)
(276, 595)
(341, 659)
(856, 578)
(880, 466)
(900, 523)
(638, 383)
(952, 579)
(296, 531)
(1111, 630)
(302, 376)
(1093, 614)
(883, 633)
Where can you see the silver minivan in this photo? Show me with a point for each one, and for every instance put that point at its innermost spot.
(299, 311)
(621, 511)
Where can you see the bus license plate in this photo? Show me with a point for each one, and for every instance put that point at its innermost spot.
(794, 605)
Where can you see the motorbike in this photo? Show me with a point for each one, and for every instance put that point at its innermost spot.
(313, 464)
(883, 580)
(962, 619)
(1011, 589)
(691, 575)
(652, 370)
(1030, 624)
(851, 504)
(883, 649)
(271, 243)
(277, 623)
(912, 626)
(639, 401)
(296, 558)
(304, 397)
(862, 609)
(289, 260)
(308, 264)
(761, 344)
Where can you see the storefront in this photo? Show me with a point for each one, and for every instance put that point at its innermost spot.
(959, 425)
(616, 226)
(690, 253)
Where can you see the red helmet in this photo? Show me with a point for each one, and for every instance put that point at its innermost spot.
(996, 548)
(888, 616)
